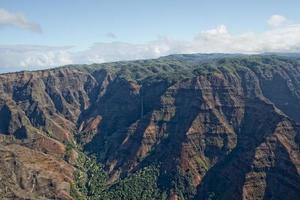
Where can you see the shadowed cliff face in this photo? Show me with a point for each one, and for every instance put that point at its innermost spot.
(225, 129)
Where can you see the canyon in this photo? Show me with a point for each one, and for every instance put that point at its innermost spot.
(206, 126)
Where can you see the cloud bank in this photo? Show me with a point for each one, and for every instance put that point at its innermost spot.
(281, 37)
(18, 20)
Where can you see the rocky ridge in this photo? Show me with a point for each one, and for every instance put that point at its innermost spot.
(221, 126)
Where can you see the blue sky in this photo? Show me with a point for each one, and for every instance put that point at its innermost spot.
(104, 30)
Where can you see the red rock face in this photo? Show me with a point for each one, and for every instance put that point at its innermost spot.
(232, 131)
(30, 174)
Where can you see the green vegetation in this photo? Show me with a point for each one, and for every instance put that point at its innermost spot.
(141, 185)
(90, 179)
(91, 183)
(75, 193)
(178, 182)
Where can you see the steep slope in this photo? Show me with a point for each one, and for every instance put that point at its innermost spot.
(208, 126)
(29, 174)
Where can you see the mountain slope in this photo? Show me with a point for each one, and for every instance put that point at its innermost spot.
(210, 127)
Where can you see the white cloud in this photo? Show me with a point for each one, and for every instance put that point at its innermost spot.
(26, 57)
(107, 52)
(276, 21)
(285, 38)
(18, 20)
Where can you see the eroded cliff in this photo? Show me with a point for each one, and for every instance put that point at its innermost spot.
(224, 127)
